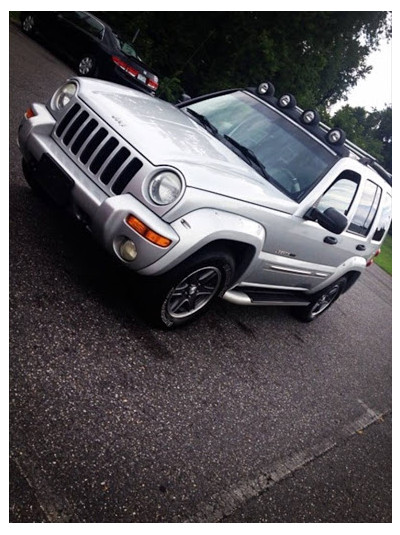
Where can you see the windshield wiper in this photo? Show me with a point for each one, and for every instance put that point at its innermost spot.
(204, 121)
(249, 154)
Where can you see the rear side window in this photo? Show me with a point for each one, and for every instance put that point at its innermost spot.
(385, 219)
(366, 210)
(85, 21)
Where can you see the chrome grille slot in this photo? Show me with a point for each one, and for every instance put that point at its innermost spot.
(67, 119)
(83, 136)
(103, 154)
(126, 176)
(97, 149)
(93, 144)
(74, 127)
(113, 166)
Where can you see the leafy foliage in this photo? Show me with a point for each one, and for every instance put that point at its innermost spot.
(317, 56)
(371, 131)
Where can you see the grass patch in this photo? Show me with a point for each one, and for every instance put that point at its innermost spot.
(384, 260)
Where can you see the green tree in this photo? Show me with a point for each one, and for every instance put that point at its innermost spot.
(318, 56)
(371, 131)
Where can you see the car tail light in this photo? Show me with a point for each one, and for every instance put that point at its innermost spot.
(124, 66)
(119, 62)
(152, 82)
(130, 70)
(371, 260)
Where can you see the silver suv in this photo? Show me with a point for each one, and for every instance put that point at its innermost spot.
(237, 194)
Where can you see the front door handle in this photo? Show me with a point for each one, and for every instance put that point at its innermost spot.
(330, 239)
(360, 247)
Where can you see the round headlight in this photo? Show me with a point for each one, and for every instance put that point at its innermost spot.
(64, 95)
(165, 188)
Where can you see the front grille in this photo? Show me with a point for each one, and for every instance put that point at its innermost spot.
(97, 149)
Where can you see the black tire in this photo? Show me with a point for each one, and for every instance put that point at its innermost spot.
(28, 24)
(186, 292)
(320, 302)
(87, 65)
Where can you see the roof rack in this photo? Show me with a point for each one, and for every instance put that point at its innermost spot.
(364, 157)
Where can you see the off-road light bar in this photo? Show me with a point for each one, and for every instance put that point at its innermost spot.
(309, 117)
(266, 88)
(336, 136)
(287, 101)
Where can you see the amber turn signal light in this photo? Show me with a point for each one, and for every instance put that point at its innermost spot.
(29, 113)
(142, 229)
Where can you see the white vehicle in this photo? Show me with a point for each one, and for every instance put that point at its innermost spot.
(237, 194)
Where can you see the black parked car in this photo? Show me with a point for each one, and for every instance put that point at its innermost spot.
(95, 49)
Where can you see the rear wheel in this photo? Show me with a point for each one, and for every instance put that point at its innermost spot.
(186, 292)
(87, 65)
(28, 24)
(321, 301)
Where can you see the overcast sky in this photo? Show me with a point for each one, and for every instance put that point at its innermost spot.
(375, 90)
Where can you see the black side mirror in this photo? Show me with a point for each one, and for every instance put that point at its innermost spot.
(330, 219)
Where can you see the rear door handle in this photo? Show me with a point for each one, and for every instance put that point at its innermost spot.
(360, 247)
(330, 239)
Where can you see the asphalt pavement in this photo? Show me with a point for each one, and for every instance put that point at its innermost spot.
(246, 416)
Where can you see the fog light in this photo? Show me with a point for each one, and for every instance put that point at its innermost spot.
(128, 250)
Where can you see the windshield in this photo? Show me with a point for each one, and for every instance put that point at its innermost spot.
(293, 160)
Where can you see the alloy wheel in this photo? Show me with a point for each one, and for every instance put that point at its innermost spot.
(28, 24)
(86, 65)
(325, 300)
(193, 292)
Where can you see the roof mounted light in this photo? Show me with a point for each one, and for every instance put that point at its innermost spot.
(336, 136)
(287, 101)
(310, 117)
(266, 88)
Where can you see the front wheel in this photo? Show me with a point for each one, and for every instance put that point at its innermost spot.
(187, 291)
(321, 301)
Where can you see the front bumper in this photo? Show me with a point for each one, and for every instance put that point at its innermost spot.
(105, 216)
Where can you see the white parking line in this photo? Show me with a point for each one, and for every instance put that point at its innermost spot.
(223, 504)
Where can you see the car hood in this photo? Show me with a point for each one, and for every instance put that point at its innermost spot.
(165, 135)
